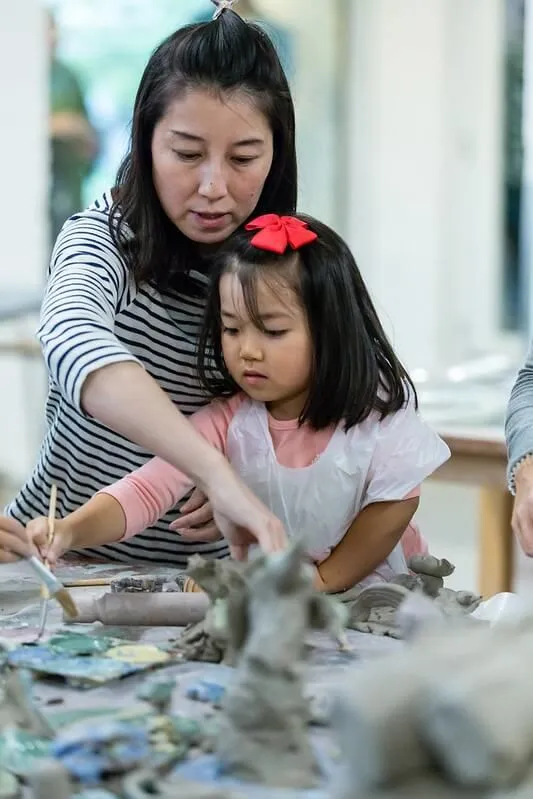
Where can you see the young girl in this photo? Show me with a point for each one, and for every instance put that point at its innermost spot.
(314, 411)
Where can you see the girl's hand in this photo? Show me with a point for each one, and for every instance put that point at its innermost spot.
(37, 533)
(196, 519)
(241, 516)
(14, 543)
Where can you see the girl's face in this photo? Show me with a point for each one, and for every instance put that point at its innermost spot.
(274, 365)
(211, 156)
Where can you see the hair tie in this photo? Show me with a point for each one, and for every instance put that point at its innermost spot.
(276, 233)
(222, 5)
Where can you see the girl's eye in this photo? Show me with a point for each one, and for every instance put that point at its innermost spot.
(230, 331)
(187, 156)
(276, 333)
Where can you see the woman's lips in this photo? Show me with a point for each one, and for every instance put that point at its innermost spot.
(210, 221)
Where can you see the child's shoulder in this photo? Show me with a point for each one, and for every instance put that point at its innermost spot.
(378, 424)
(225, 407)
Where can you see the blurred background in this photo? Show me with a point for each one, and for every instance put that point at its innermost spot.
(415, 141)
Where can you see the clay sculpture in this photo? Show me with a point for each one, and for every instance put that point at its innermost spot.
(263, 735)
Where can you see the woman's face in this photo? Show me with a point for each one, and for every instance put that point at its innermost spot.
(211, 155)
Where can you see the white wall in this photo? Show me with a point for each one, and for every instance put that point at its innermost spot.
(425, 103)
(23, 167)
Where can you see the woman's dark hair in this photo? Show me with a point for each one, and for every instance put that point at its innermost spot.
(355, 370)
(225, 55)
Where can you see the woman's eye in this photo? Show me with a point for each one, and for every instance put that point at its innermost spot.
(230, 331)
(244, 159)
(187, 156)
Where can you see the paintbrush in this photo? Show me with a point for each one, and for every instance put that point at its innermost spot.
(51, 529)
(51, 586)
(54, 587)
(45, 595)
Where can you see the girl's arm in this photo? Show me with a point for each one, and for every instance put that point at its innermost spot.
(100, 521)
(369, 541)
(406, 452)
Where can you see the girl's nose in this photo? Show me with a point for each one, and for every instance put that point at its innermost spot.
(250, 350)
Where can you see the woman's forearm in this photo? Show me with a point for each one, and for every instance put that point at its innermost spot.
(125, 398)
(369, 541)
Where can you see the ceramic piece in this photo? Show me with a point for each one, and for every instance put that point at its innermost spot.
(206, 691)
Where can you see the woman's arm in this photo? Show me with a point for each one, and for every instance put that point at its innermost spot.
(371, 538)
(100, 377)
(125, 398)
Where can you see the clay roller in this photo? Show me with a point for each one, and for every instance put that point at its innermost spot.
(142, 610)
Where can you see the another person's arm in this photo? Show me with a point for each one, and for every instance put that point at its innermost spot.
(371, 538)
(75, 128)
(519, 436)
(69, 120)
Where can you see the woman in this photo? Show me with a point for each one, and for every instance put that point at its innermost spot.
(212, 144)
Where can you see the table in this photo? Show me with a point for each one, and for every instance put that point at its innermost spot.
(479, 458)
(325, 670)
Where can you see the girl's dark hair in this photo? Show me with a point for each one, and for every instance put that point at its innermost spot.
(355, 370)
(225, 55)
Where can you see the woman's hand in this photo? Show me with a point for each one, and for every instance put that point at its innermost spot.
(37, 534)
(196, 519)
(522, 519)
(240, 516)
(197, 524)
(14, 543)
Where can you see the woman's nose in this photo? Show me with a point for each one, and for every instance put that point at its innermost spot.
(213, 185)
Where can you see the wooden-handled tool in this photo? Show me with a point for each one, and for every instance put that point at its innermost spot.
(61, 594)
(51, 531)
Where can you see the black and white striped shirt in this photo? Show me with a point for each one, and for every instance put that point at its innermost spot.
(93, 315)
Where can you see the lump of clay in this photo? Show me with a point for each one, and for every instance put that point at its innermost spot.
(263, 734)
(138, 584)
(452, 712)
(374, 609)
(427, 574)
(207, 640)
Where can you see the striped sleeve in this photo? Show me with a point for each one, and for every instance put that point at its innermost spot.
(87, 285)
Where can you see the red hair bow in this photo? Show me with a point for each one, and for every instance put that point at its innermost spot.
(276, 233)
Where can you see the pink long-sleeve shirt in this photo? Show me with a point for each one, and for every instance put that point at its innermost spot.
(147, 494)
